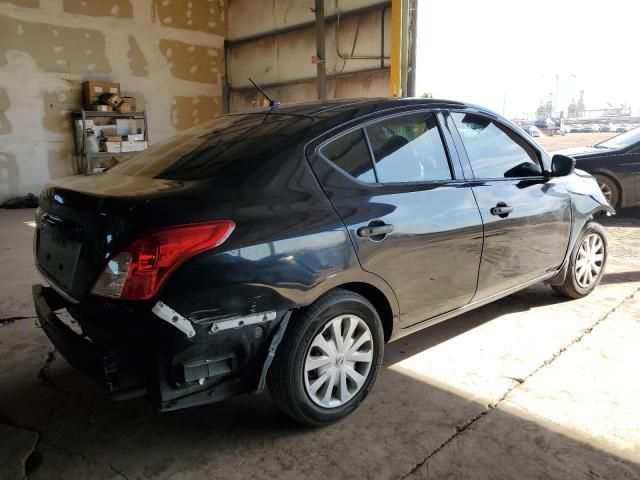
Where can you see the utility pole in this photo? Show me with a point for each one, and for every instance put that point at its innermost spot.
(320, 51)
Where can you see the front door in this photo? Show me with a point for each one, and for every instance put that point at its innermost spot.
(412, 217)
(526, 216)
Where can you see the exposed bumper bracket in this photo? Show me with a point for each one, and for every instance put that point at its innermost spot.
(173, 318)
(238, 322)
(275, 341)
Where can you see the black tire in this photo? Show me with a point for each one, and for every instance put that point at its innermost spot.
(609, 188)
(286, 381)
(571, 287)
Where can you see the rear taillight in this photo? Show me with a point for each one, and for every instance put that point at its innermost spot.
(139, 270)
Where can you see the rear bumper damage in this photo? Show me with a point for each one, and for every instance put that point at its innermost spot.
(154, 349)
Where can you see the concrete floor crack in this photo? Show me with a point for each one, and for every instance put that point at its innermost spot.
(460, 429)
(7, 320)
(88, 458)
(43, 373)
(32, 459)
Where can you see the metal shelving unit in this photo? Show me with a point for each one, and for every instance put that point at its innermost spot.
(84, 159)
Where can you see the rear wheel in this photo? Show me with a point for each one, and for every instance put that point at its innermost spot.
(609, 189)
(329, 359)
(586, 266)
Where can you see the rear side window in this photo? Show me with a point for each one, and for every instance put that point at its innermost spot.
(494, 150)
(408, 148)
(351, 154)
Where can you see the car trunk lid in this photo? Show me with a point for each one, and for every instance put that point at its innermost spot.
(84, 220)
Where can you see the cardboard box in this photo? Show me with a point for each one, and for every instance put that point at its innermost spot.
(113, 138)
(133, 146)
(135, 137)
(109, 162)
(103, 108)
(126, 126)
(113, 147)
(139, 146)
(124, 107)
(92, 89)
(112, 99)
(131, 101)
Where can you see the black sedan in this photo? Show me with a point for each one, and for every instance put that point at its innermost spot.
(615, 163)
(284, 247)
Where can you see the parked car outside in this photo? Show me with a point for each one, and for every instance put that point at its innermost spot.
(615, 163)
(589, 128)
(532, 130)
(544, 123)
(284, 247)
(608, 127)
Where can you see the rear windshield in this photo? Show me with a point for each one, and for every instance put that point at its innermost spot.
(205, 150)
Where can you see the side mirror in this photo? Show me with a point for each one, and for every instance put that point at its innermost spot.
(561, 166)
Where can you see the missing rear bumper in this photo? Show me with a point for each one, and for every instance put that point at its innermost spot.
(95, 361)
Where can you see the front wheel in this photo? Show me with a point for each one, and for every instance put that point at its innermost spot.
(587, 262)
(328, 360)
(609, 189)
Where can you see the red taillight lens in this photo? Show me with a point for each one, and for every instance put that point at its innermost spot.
(138, 272)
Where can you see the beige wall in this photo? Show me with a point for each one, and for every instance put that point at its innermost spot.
(277, 60)
(169, 54)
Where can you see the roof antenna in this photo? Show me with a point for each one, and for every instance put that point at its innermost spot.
(272, 103)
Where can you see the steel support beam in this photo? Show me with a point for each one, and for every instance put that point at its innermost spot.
(299, 81)
(305, 25)
(320, 51)
(396, 48)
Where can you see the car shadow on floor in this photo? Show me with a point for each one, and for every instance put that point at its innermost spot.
(620, 277)
(85, 435)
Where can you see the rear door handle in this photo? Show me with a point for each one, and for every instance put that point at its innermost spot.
(375, 231)
(502, 210)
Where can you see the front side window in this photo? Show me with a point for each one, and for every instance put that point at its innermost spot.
(494, 150)
(408, 148)
(351, 154)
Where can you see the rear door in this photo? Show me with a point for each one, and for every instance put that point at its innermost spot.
(527, 217)
(410, 213)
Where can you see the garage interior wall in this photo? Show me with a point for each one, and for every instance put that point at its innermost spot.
(168, 54)
(273, 41)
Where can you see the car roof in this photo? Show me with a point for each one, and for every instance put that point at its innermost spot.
(340, 106)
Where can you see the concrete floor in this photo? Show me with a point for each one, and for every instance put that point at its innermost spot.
(532, 386)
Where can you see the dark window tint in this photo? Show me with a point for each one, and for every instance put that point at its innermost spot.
(494, 150)
(224, 147)
(408, 149)
(351, 154)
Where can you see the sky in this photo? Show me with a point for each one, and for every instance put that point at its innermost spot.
(508, 55)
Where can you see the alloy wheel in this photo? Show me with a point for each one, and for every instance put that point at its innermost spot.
(338, 361)
(589, 260)
(606, 191)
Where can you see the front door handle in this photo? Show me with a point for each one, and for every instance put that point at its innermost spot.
(502, 210)
(375, 231)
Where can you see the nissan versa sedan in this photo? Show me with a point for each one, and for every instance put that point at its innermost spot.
(615, 163)
(283, 248)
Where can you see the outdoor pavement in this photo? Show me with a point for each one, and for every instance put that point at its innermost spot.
(532, 386)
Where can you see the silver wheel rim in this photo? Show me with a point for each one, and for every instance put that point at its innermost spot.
(590, 260)
(338, 361)
(606, 191)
